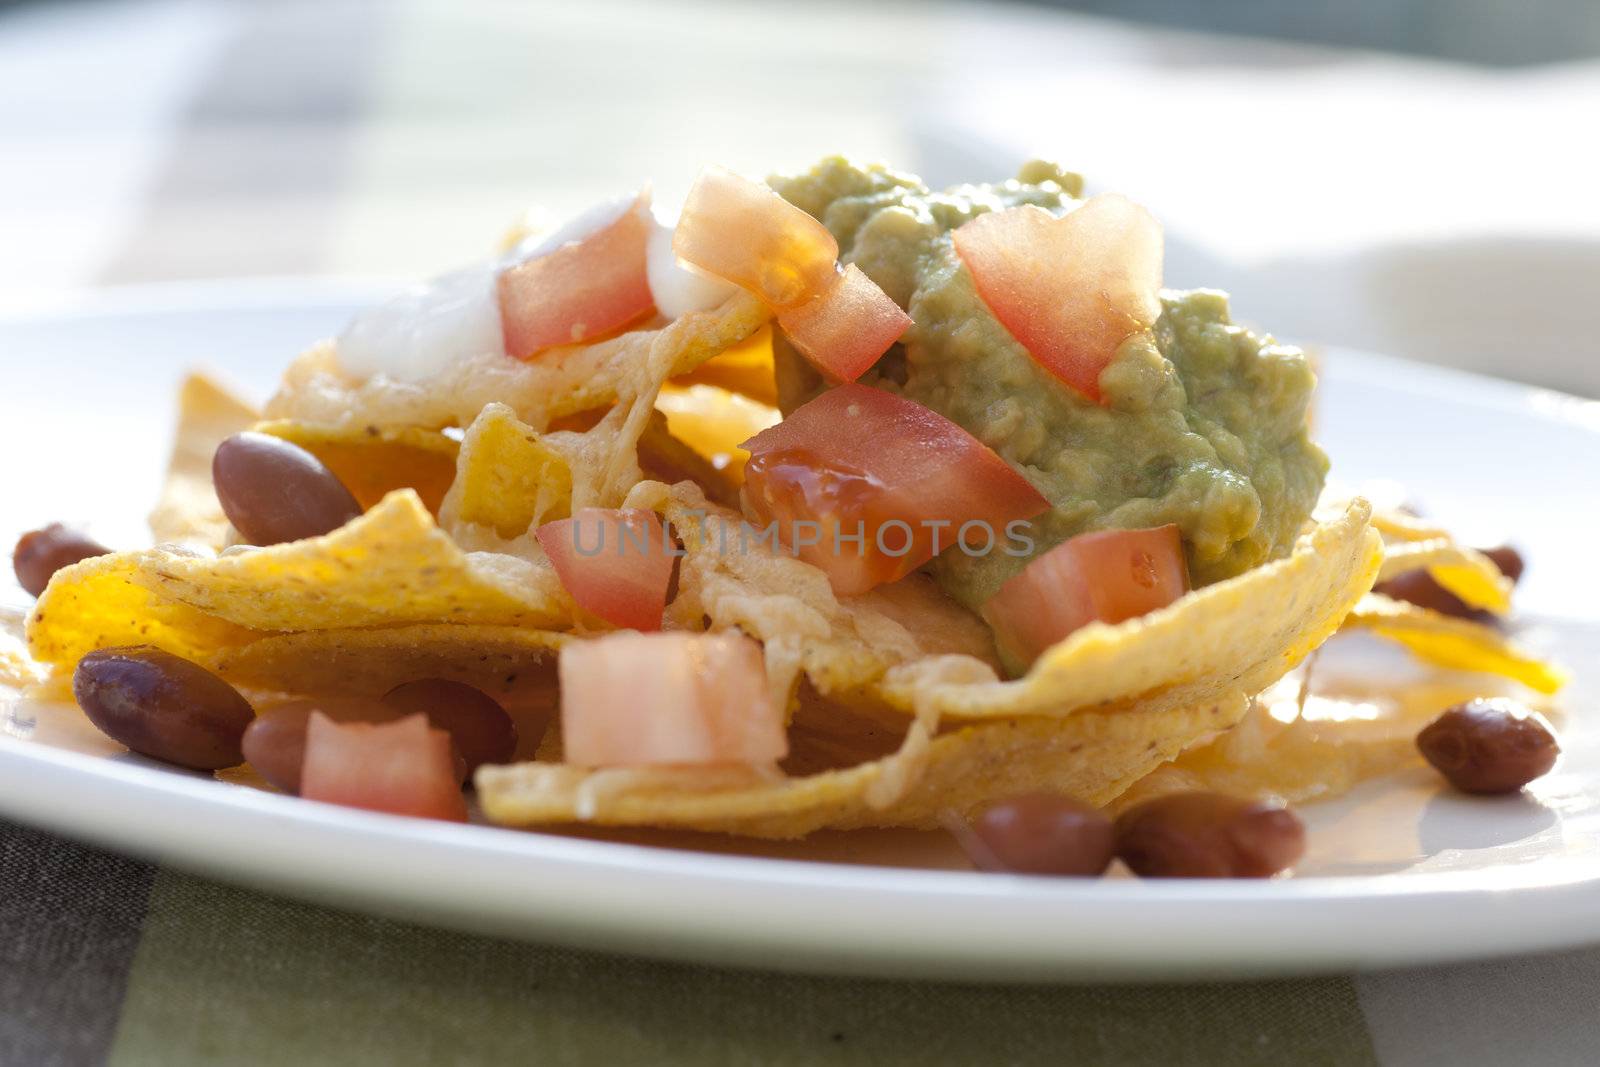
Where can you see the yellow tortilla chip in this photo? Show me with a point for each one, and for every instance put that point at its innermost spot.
(391, 566)
(1456, 643)
(715, 422)
(1237, 636)
(1397, 525)
(509, 478)
(558, 382)
(1468, 573)
(744, 369)
(1094, 755)
(1101, 709)
(187, 511)
(374, 461)
(500, 660)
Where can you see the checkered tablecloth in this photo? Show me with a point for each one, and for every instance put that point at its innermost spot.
(181, 138)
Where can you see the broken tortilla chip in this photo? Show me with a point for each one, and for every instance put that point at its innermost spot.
(508, 478)
(500, 660)
(715, 423)
(389, 567)
(187, 511)
(745, 369)
(1094, 756)
(1451, 642)
(1102, 709)
(1397, 525)
(374, 461)
(1237, 636)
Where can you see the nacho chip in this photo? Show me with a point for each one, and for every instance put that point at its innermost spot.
(715, 422)
(500, 660)
(1460, 644)
(187, 511)
(558, 382)
(1465, 572)
(1126, 693)
(389, 567)
(374, 461)
(1396, 525)
(1094, 755)
(509, 478)
(744, 369)
(1236, 636)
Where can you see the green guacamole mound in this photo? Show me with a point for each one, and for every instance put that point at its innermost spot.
(1204, 423)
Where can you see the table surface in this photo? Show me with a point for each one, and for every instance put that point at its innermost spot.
(181, 138)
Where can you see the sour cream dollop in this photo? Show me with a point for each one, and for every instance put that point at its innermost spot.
(427, 328)
(677, 289)
(430, 326)
(586, 223)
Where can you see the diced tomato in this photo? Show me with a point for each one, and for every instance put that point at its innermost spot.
(860, 461)
(580, 290)
(845, 329)
(1069, 289)
(743, 232)
(616, 563)
(401, 767)
(634, 700)
(1106, 576)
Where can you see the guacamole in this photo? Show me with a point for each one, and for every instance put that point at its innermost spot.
(1204, 423)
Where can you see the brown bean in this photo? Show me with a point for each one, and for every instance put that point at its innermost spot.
(40, 553)
(1419, 587)
(1489, 746)
(163, 706)
(1041, 833)
(274, 491)
(1209, 835)
(479, 726)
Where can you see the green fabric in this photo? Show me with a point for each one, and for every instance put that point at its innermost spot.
(228, 976)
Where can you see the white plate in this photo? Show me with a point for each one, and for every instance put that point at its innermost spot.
(1399, 872)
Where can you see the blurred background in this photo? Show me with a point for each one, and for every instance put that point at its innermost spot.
(1417, 177)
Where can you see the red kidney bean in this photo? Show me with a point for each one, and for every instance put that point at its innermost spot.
(40, 553)
(479, 726)
(163, 706)
(274, 491)
(275, 744)
(1489, 746)
(1042, 833)
(1208, 835)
